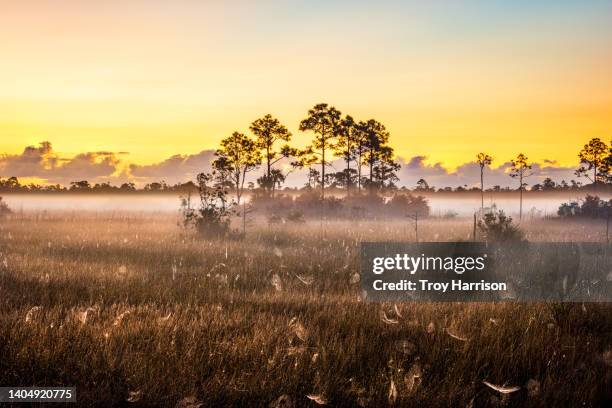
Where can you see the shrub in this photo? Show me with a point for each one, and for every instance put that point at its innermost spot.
(569, 209)
(311, 203)
(407, 204)
(360, 205)
(591, 206)
(212, 219)
(4, 209)
(308, 201)
(279, 204)
(495, 226)
(333, 206)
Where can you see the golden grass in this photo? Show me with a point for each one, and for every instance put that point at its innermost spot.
(132, 308)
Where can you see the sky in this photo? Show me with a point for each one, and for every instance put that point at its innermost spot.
(129, 85)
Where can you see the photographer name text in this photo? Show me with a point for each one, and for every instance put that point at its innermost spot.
(429, 286)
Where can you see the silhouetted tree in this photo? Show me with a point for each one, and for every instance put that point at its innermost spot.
(326, 123)
(385, 168)
(103, 187)
(54, 188)
(128, 187)
(11, 184)
(222, 173)
(422, 185)
(314, 177)
(536, 187)
(268, 131)
(237, 156)
(344, 178)
(270, 182)
(520, 170)
(156, 186)
(548, 184)
(360, 142)
(593, 157)
(82, 185)
(483, 161)
(376, 137)
(607, 166)
(345, 148)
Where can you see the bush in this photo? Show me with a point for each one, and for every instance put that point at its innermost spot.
(4, 209)
(311, 203)
(333, 206)
(360, 205)
(495, 226)
(407, 204)
(212, 219)
(308, 201)
(569, 209)
(279, 204)
(591, 206)
(355, 206)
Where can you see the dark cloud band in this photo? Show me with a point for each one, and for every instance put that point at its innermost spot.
(45, 163)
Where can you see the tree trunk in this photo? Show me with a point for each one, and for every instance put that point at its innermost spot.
(269, 175)
(521, 197)
(359, 174)
(238, 189)
(348, 177)
(481, 189)
(371, 174)
(323, 141)
(323, 171)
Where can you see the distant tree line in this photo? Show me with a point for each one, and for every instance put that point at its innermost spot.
(368, 163)
(12, 185)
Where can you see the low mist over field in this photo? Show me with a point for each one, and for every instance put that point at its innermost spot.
(441, 204)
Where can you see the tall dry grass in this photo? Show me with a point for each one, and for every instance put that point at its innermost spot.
(131, 309)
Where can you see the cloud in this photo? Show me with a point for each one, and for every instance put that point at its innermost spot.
(45, 163)
(176, 169)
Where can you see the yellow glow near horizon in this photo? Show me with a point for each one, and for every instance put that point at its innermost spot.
(155, 80)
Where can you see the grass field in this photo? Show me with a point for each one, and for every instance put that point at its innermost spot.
(133, 310)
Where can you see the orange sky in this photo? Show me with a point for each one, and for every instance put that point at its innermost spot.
(451, 79)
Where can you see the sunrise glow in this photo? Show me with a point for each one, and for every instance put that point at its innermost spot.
(154, 79)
